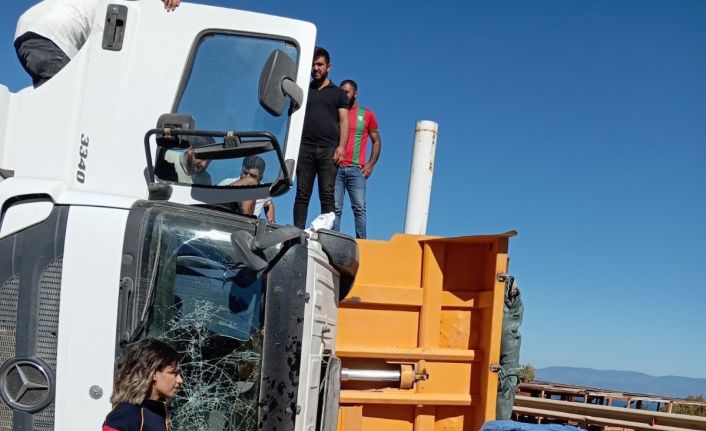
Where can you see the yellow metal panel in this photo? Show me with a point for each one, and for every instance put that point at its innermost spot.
(370, 327)
(435, 304)
(432, 281)
(385, 295)
(466, 268)
(450, 419)
(408, 353)
(350, 418)
(465, 299)
(388, 263)
(446, 377)
(455, 329)
(424, 418)
(403, 398)
(384, 418)
(495, 322)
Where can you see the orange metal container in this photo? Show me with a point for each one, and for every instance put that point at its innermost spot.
(430, 305)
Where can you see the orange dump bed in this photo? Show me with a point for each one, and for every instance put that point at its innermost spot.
(431, 309)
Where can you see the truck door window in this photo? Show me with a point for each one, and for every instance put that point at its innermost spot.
(221, 93)
(209, 307)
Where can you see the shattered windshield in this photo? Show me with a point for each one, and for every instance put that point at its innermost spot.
(209, 308)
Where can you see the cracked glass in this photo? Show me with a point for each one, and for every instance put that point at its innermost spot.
(209, 308)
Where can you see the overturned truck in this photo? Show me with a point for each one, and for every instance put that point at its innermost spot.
(108, 234)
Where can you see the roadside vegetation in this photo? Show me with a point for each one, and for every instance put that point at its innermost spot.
(689, 409)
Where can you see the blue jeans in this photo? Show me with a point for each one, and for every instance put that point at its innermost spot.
(350, 179)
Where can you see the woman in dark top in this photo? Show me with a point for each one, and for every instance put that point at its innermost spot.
(147, 377)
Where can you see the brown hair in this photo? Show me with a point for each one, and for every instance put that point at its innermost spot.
(133, 379)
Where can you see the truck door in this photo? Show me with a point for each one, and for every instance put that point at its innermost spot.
(138, 63)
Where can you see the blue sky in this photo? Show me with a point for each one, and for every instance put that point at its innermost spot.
(580, 124)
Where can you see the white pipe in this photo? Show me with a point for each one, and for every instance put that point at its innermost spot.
(419, 194)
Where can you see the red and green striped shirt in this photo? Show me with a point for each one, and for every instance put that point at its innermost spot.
(361, 122)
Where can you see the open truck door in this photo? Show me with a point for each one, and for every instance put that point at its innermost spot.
(83, 130)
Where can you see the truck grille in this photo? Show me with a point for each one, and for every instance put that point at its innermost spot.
(8, 319)
(31, 263)
(47, 329)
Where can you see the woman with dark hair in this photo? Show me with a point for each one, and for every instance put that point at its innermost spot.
(147, 377)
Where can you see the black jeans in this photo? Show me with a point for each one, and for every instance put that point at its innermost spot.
(40, 57)
(314, 161)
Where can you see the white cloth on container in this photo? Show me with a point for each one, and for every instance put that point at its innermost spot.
(322, 221)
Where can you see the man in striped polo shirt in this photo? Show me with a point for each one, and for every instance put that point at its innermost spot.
(353, 170)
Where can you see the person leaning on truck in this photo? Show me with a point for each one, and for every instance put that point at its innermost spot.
(51, 33)
(251, 174)
(185, 167)
(148, 376)
(353, 170)
(324, 139)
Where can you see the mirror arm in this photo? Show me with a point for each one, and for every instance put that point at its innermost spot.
(148, 155)
(291, 89)
(231, 140)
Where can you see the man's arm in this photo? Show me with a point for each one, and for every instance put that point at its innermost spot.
(244, 181)
(374, 154)
(271, 211)
(342, 135)
(248, 207)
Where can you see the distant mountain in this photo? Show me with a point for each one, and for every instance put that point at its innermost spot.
(624, 381)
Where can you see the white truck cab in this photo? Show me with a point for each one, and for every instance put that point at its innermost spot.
(111, 232)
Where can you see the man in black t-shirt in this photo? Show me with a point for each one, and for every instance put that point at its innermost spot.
(324, 139)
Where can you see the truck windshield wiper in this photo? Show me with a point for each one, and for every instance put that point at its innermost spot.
(149, 300)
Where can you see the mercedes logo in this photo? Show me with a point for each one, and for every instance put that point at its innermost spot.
(26, 384)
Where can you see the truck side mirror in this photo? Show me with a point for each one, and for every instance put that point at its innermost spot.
(278, 80)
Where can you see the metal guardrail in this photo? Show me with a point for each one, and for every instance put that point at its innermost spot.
(585, 414)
